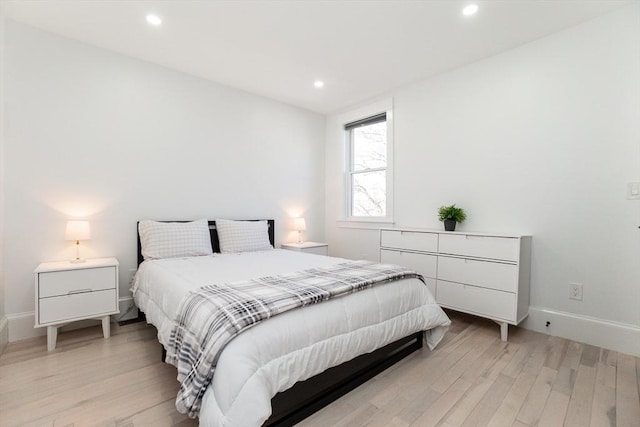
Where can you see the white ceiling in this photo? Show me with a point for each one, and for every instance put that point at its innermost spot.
(277, 49)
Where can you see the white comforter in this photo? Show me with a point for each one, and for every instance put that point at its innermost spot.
(293, 346)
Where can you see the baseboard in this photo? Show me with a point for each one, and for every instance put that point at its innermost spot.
(4, 333)
(616, 336)
(20, 325)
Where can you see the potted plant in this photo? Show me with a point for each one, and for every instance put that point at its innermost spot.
(451, 215)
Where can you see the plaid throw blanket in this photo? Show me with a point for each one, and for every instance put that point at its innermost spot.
(211, 316)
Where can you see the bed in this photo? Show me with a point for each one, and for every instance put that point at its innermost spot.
(285, 368)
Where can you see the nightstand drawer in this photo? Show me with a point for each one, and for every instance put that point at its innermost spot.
(411, 240)
(318, 250)
(69, 307)
(494, 275)
(489, 303)
(64, 282)
(422, 263)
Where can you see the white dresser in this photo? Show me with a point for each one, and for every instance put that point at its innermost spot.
(481, 274)
(67, 291)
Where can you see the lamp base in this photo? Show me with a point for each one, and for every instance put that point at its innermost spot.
(77, 260)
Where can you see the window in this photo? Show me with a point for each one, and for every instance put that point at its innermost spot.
(367, 175)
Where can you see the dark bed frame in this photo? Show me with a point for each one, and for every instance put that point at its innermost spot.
(306, 397)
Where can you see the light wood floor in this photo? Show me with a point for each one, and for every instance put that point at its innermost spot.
(471, 379)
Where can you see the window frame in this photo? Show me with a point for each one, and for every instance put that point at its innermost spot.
(363, 115)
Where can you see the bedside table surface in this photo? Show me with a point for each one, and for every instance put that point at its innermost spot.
(304, 245)
(68, 265)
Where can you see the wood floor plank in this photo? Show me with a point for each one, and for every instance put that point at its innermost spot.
(488, 359)
(555, 410)
(490, 402)
(414, 380)
(556, 348)
(161, 415)
(458, 414)
(467, 362)
(506, 413)
(432, 416)
(603, 410)
(508, 410)
(360, 416)
(522, 357)
(418, 405)
(609, 357)
(627, 398)
(573, 355)
(389, 413)
(471, 379)
(396, 422)
(409, 379)
(580, 405)
(579, 410)
(566, 376)
(590, 356)
(532, 408)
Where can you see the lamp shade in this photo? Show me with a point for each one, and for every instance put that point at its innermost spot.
(77, 230)
(299, 224)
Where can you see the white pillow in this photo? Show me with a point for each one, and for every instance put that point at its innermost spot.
(174, 239)
(243, 236)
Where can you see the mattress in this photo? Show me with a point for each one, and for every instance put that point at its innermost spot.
(273, 355)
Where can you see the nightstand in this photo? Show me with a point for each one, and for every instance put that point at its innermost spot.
(67, 292)
(307, 247)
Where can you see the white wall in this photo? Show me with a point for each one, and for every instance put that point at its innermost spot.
(541, 139)
(114, 139)
(4, 330)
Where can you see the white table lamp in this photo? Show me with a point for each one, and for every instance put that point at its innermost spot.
(77, 230)
(299, 225)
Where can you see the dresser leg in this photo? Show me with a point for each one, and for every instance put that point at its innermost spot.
(504, 330)
(106, 326)
(52, 336)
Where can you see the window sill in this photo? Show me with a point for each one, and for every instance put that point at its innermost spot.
(365, 224)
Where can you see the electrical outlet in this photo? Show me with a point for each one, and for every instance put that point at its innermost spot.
(575, 291)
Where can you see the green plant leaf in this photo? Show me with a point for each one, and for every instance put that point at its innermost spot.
(451, 212)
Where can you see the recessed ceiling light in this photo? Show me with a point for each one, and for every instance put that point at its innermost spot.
(470, 10)
(154, 20)
(318, 84)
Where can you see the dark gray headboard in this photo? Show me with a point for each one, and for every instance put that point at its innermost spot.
(215, 244)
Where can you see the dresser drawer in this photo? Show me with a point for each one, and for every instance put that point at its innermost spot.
(494, 275)
(409, 240)
(484, 302)
(502, 248)
(68, 307)
(422, 263)
(69, 281)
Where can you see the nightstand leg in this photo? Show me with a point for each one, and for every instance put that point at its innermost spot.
(52, 336)
(504, 330)
(106, 326)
